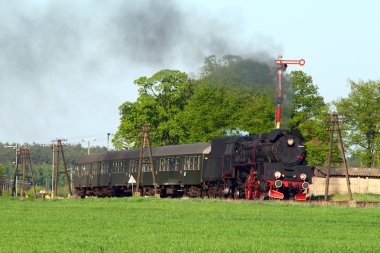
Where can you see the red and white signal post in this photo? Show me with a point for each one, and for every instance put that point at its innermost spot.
(282, 65)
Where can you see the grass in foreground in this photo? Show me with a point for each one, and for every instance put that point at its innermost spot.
(176, 225)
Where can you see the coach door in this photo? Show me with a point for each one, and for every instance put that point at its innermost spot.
(192, 169)
(147, 172)
(169, 171)
(95, 174)
(174, 174)
(104, 174)
(85, 174)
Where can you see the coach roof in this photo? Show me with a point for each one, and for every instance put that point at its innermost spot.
(172, 150)
(185, 149)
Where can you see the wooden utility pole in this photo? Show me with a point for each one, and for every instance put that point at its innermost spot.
(58, 149)
(24, 156)
(334, 127)
(145, 142)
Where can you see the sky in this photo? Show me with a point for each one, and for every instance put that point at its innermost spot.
(67, 66)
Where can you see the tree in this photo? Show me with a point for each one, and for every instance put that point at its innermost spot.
(214, 111)
(308, 115)
(360, 115)
(232, 95)
(161, 98)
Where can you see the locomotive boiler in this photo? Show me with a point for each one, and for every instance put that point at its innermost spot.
(257, 166)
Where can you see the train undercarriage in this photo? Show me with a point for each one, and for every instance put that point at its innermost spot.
(244, 185)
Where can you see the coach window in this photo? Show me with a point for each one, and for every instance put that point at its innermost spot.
(167, 164)
(119, 167)
(198, 163)
(113, 170)
(125, 167)
(125, 170)
(186, 165)
(135, 165)
(192, 162)
(98, 168)
(130, 166)
(164, 164)
(102, 168)
(177, 163)
(161, 164)
(146, 166)
(171, 165)
(106, 167)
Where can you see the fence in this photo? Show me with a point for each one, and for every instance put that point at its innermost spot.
(338, 185)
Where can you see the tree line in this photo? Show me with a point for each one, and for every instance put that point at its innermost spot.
(41, 158)
(234, 95)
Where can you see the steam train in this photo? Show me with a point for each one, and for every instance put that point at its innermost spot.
(257, 166)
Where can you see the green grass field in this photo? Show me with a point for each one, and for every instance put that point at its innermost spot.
(184, 225)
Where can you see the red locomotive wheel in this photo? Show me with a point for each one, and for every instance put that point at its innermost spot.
(248, 194)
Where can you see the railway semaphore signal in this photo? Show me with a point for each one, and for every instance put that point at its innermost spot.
(282, 65)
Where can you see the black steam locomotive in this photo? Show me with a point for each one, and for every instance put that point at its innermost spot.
(270, 165)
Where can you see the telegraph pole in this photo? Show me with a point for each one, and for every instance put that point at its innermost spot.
(145, 142)
(25, 158)
(282, 65)
(334, 127)
(23, 154)
(58, 148)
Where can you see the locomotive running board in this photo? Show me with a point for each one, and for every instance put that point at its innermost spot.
(276, 194)
(301, 196)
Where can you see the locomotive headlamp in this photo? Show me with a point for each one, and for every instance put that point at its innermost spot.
(277, 174)
(290, 141)
(303, 176)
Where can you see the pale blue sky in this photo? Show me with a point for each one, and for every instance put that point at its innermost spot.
(66, 66)
(338, 39)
